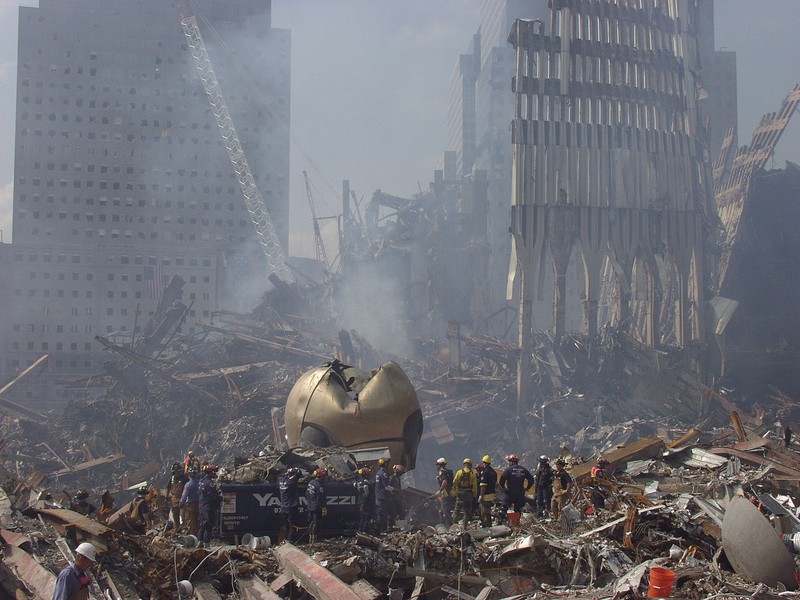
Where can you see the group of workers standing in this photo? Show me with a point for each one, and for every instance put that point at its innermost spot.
(472, 489)
(378, 498)
(194, 498)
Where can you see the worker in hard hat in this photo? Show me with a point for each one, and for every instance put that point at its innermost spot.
(465, 484)
(514, 481)
(81, 503)
(382, 491)
(73, 581)
(191, 462)
(317, 503)
(562, 487)
(396, 508)
(190, 502)
(543, 479)
(365, 499)
(445, 494)
(487, 489)
(139, 516)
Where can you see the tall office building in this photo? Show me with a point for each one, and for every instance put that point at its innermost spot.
(494, 111)
(122, 179)
(718, 76)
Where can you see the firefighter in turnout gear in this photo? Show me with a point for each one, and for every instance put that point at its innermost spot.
(174, 491)
(81, 505)
(444, 478)
(487, 488)
(465, 485)
(544, 485)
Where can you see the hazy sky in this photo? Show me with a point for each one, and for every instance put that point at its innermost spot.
(370, 87)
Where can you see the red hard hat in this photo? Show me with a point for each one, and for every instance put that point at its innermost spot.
(512, 458)
(399, 469)
(321, 472)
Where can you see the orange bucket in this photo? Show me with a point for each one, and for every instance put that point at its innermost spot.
(513, 519)
(660, 582)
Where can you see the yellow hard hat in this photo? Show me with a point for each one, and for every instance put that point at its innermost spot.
(487, 459)
(467, 461)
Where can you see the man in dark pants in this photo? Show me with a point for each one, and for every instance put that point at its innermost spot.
(365, 499)
(514, 481)
(208, 504)
(544, 485)
(317, 501)
(382, 491)
(290, 503)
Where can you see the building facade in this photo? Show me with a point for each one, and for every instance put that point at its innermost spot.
(122, 179)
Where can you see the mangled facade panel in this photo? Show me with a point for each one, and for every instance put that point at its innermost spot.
(608, 168)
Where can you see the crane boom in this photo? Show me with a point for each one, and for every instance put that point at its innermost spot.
(319, 245)
(259, 214)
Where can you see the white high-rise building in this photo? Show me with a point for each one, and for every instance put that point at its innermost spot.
(122, 179)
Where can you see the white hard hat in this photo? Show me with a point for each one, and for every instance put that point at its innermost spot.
(87, 550)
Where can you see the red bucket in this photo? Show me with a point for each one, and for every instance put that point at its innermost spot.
(660, 583)
(513, 519)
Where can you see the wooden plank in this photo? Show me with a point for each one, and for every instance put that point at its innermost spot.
(280, 582)
(444, 578)
(648, 447)
(315, 579)
(255, 589)
(104, 460)
(365, 590)
(419, 588)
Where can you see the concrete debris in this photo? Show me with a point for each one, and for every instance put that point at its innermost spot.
(719, 533)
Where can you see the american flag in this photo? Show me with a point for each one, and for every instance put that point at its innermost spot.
(154, 278)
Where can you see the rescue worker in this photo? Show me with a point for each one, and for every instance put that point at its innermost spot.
(317, 501)
(190, 502)
(74, 580)
(598, 494)
(396, 510)
(364, 497)
(140, 517)
(82, 506)
(174, 492)
(514, 481)
(543, 479)
(487, 488)
(444, 478)
(209, 500)
(382, 496)
(107, 507)
(290, 503)
(465, 484)
(191, 462)
(562, 486)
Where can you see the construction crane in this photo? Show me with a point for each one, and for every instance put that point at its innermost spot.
(259, 214)
(319, 245)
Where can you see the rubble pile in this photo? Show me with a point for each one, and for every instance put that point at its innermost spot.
(222, 395)
(700, 511)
